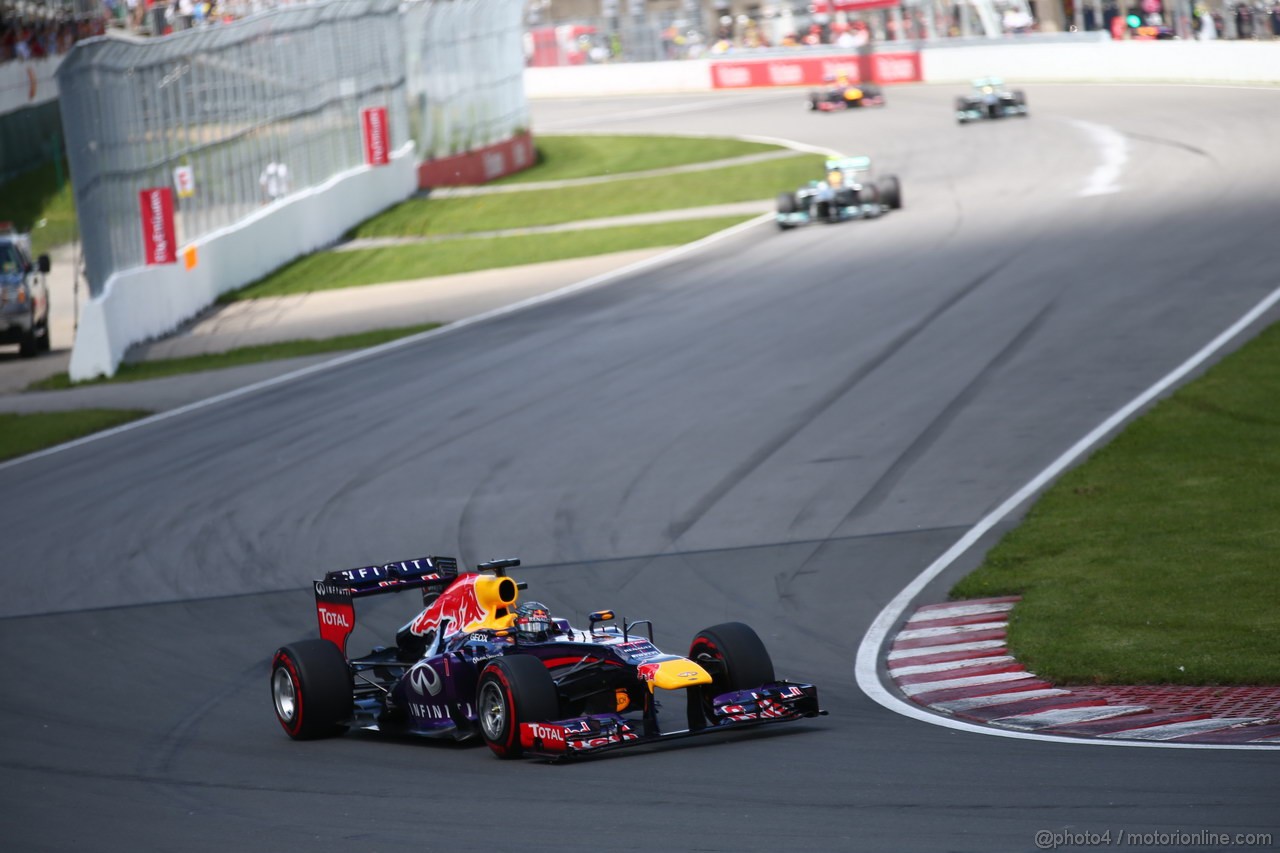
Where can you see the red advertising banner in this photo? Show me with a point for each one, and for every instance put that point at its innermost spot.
(814, 70)
(377, 145)
(159, 238)
(824, 7)
(479, 166)
(896, 67)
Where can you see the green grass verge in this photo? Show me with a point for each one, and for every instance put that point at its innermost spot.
(1155, 560)
(427, 216)
(23, 434)
(35, 196)
(138, 371)
(567, 157)
(330, 270)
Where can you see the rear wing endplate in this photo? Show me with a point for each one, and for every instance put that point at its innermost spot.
(337, 591)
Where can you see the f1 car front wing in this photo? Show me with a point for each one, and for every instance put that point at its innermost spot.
(777, 702)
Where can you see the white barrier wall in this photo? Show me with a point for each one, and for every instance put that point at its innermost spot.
(146, 302)
(584, 81)
(1109, 62)
(1123, 61)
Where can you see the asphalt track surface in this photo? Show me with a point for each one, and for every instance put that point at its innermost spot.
(785, 429)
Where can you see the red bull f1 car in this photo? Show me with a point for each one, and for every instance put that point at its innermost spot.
(843, 95)
(849, 192)
(990, 99)
(478, 662)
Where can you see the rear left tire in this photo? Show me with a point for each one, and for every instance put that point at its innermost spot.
(311, 689)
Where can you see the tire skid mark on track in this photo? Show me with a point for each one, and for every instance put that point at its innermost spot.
(470, 530)
(564, 527)
(891, 349)
(640, 476)
(1171, 143)
(883, 485)
(154, 767)
(682, 525)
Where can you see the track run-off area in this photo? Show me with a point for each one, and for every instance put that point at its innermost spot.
(786, 429)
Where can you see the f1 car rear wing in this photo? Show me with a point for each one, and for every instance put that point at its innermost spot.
(335, 594)
(853, 164)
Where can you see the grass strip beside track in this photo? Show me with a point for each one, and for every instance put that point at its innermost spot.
(426, 216)
(330, 270)
(1155, 560)
(23, 434)
(33, 197)
(160, 368)
(567, 157)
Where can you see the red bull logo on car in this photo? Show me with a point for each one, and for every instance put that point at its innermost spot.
(472, 602)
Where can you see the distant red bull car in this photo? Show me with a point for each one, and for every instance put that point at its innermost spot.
(477, 662)
(846, 96)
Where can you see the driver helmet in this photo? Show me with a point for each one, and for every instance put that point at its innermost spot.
(533, 621)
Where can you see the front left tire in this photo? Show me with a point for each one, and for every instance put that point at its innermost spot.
(513, 690)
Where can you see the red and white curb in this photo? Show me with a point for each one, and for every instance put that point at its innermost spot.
(952, 659)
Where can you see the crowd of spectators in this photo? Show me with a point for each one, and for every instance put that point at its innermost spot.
(34, 29)
(1242, 21)
(31, 35)
(1259, 19)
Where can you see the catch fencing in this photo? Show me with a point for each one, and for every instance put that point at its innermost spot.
(235, 118)
(465, 74)
(215, 113)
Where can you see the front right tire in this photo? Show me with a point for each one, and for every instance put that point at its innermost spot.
(734, 656)
(891, 191)
(29, 346)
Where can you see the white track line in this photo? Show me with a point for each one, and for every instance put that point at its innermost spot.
(977, 645)
(968, 681)
(1114, 148)
(1172, 730)
(865, 668)
(1000, 699)
(994, 660)
(1067, 716)
(359, 355)
(950, 631)
(959, 610)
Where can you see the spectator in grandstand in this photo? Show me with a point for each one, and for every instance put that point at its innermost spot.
(1208, 29)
